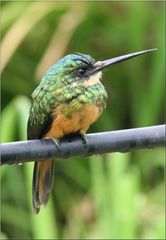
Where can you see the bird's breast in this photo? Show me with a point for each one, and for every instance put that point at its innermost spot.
(79, 121)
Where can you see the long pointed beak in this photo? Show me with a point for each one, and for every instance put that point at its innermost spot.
(100, 65)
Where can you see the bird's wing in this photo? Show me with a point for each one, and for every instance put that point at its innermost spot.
(39, 123)
(41, 113)
(39, 130)
(45, 100)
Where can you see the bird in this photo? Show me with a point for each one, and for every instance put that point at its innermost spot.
(69, 98)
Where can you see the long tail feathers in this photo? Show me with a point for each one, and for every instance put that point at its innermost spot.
(42, 183)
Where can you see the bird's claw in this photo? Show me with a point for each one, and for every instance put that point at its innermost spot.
(57, 143)
(84, 139)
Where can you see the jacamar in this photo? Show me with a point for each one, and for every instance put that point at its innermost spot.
(68, 100)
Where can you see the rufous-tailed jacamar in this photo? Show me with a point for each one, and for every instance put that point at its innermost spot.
(68, 100)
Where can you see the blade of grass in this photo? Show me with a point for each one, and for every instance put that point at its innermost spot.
(123, 188)
(152, 103)
(137, 31)
(102, 198)
(8, 131)
(21, 27)
(61, 37)
(8, 123)
(9, 212)
(10, 12)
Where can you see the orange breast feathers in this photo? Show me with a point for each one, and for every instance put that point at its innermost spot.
(78, 122)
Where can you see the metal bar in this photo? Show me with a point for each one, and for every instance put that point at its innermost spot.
(97, 143)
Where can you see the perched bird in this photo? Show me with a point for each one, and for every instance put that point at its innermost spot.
(69, 98)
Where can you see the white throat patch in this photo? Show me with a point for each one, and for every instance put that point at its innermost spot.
(92, 80)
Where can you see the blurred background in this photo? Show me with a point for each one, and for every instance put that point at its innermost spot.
(112, 196)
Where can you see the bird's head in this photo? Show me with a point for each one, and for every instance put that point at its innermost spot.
(81, 69)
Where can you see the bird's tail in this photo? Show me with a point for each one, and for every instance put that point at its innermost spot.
(42, 183)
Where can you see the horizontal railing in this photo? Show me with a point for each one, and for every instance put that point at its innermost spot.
(97, 143)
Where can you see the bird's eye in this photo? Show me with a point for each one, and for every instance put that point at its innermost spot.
(81, 71)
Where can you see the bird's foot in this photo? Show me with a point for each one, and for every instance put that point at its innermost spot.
(57, 143)
(84, 139)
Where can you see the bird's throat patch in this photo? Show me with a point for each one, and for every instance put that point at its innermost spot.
(92, 80)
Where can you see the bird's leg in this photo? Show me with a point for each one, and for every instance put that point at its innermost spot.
(84, 138)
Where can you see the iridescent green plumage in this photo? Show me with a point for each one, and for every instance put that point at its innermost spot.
(61, 84)
(69, 99)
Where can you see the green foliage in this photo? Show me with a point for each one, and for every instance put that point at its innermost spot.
(112, 196)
